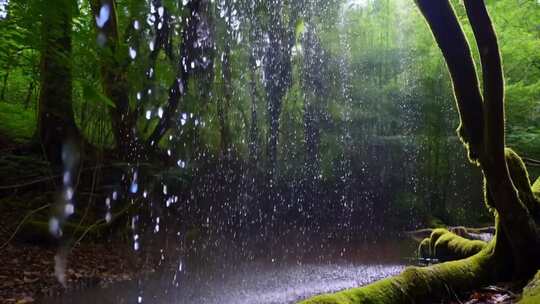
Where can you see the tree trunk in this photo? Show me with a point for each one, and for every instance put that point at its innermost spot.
(223, 105)
(4, 83)
(253, 133)
(197, 54)
(29, 94)
(314, 93)
(278, 79)
(56, 123)
(114, 79)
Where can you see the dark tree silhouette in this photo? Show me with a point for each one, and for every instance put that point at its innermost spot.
(55, 116)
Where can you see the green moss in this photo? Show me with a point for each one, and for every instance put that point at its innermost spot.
(418, 283)
(520, 179)
(435, 235)
(471, 143)
(450, 246)
(536, 188)
(424, 249)
(518, 171)
(531, 292)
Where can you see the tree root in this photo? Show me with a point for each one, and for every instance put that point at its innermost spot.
(444, 245)
(416, 284)
(466, 232)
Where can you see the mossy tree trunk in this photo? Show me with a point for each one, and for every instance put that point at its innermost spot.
(56, 123)
(514, 253)
(482, 126)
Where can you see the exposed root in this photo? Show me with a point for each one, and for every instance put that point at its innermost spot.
(466, 232)
(416, 284)
(444, 245)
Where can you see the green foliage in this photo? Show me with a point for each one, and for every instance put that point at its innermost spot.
(90, 94)
(381, 78)
(17, 123)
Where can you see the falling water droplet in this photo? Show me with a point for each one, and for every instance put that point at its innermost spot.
(132, 52)
(68, 195)
(67, 178)
(181, 163)
(69, 209)
(54, 227)
(134, 187)
(104, 14)
(183, 119)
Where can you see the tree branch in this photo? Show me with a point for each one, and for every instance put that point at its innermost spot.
(449, 36)
(492, 75)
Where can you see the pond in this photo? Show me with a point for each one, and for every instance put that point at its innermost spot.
(263, 280)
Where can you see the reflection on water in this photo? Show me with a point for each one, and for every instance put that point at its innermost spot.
(262, 281)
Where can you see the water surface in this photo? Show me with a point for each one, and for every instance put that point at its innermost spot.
(260, 281)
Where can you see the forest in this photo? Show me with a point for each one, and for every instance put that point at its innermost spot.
(270, 151)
